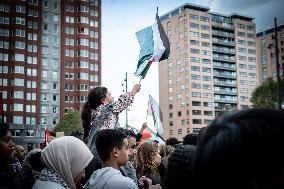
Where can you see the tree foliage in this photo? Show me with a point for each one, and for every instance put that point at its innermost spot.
(265, 96)
(69, 123)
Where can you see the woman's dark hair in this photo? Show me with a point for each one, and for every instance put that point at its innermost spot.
(179, 169)
(94, 100)
(4, 128)
(172, 141)
(241, 150)
(190, 139)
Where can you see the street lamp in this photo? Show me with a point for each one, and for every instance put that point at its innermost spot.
(126, 110)
(270, 46)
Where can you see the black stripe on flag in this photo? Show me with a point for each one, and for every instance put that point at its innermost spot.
(164, 39)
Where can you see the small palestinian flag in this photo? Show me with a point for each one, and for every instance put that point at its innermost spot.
(155, 47)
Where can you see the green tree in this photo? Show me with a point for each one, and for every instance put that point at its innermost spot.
(265, 96)
(69, 123)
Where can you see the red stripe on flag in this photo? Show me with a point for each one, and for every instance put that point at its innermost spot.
(150, 62)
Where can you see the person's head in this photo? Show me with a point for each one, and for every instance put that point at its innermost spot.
(242, 150)
(200, 132)
(112, 146)
(69, 157)
(20, 152)
(190, 139)
(165, 150)
(97, 96)
(147, 158)
(33, 160)
(179, 167)
(172, 141)
(6, 143)
(131, 136)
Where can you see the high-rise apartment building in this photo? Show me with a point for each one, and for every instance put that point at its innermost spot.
(49, 59)
(212, 67)
(265, 44)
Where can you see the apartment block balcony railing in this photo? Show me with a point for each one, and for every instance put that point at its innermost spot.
(222, 34)
(224, 75)
(225, 67)
(225, 92)
(224, 59)
(223, 100)
(223, 42)
(224, 50)
(224, 25)
(228, 84)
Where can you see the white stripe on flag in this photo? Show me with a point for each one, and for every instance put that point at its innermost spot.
(142, 67)
(159, 48)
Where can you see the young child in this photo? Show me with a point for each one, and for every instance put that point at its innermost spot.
(112, 146)
(101, 112)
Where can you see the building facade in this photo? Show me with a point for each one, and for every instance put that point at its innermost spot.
(49, 59)
(265, 44)
(212, 67)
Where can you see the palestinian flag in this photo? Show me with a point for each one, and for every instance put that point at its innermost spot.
(155, 47)
(155, 112)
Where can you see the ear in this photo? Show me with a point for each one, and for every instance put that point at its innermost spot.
(115, 152)
(103, 101)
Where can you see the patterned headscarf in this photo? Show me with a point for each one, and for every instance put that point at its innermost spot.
(68, 156)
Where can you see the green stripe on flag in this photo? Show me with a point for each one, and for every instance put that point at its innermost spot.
(142, 66)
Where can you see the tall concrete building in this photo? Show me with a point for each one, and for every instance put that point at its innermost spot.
(49, 59)
(265, 44)
(212, 67)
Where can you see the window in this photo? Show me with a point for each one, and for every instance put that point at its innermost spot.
(194, 25)
(242, 50)
(194, 17)
(193, 34)
(21, 9)
(17, 119)
(205, 36)
(195, 68)
(205, 27)
(251, 51)
(20, 21)
(196, 121)
(16, 132)
(196, 94)
(20, 33)
(30, 133)
(241, 34)
(196, 103)
(179, 113)
(196, 112)
(251, 59)
(208, 113)
(204, 19)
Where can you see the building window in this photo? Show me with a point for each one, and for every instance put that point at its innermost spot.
(30, 133)
(16, 132)
(197, 121)
(179, 113)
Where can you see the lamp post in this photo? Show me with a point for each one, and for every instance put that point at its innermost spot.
(276, 52)
(126, 110)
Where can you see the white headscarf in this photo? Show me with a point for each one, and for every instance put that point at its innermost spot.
(68, 156)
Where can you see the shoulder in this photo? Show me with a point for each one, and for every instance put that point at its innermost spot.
(118, 181)
(39, 184)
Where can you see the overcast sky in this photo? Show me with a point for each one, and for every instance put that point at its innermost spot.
(120, 48)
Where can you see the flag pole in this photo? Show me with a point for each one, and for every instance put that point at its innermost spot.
(140, 79)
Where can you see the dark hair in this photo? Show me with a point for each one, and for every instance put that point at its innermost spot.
(4, 128)
(172, 141)
(129, 133)
(190, 139)
(242, 150)
(199, 134)
(179, 167)
(94, 100)
(107, 140)
(35, 162)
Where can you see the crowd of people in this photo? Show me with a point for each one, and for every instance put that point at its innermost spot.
(238, 150)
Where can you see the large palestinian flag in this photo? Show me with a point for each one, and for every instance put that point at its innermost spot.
(155, 47)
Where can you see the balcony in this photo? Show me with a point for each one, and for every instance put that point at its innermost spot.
(224, 59)
(224, 25)
(229, 92)
(223, 100)
(224, 50)
(227, 84)
(223, 34)
(223, 42)
(224, 75)
(225, 67)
